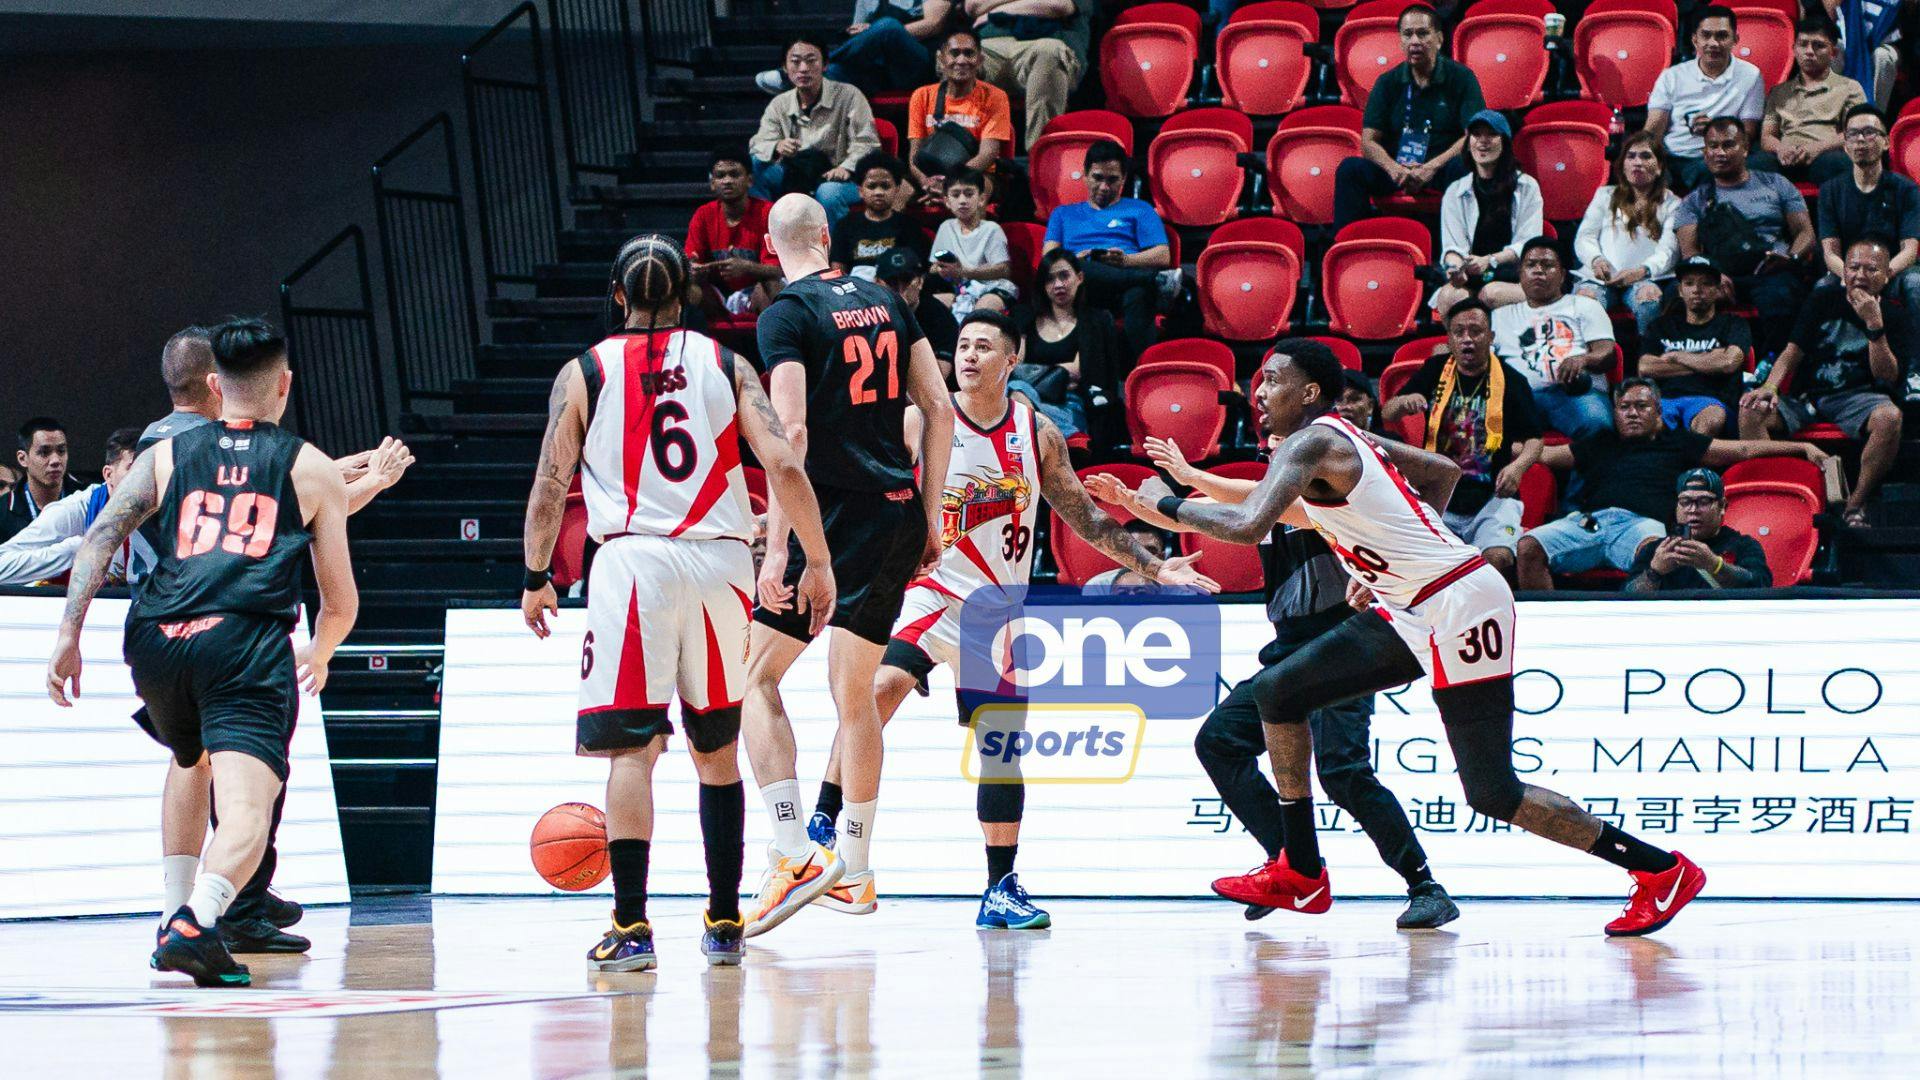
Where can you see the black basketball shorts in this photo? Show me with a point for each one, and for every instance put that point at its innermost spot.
(876, 539)
(216, 682)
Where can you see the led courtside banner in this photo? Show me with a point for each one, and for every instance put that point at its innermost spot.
(80, 787)
(1776, 742)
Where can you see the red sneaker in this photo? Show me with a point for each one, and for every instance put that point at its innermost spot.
(1657, 898)
(1276, 885)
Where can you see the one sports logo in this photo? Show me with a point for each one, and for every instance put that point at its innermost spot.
(1012, 743)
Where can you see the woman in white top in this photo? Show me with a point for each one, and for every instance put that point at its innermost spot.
(1626, 246)
(1485, 218)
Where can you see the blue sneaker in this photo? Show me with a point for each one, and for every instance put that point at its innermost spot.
(625, 948)
(820, 830)
(1006, 906)
(722, 944)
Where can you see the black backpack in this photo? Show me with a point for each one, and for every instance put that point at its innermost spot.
(1729, 236)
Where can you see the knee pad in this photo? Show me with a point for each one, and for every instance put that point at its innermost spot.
(1276, 704)
(1491, 788)
(1001, 803)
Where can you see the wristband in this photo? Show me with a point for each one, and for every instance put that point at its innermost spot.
(1876, 335)
(1719, 564)
(1169, 507)
(536, 580)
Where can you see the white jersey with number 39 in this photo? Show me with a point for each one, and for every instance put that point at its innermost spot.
(988, 509)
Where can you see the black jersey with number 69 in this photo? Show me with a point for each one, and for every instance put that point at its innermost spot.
(231, 533)
(853, 337)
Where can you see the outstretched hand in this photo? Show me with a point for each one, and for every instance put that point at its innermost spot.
(1179, 572)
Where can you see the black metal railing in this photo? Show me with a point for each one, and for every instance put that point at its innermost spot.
(597, 70)
(677, 35)
(510, 137)
(429, 272)
(339, 396)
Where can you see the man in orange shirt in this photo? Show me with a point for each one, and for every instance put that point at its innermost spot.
(980, 107)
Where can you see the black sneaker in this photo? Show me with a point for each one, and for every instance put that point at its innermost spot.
(196, 950)
(280, 911)
(1255, 912)
(259, 935)
(1428, 908)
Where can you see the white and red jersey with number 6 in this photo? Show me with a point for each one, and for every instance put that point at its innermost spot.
(662, 453)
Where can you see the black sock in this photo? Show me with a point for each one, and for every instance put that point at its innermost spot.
(629, 859)
(1417, 876)
(1000, 862)
(830, 800)
(1630, 853)
(1302, 844)
(723, 816)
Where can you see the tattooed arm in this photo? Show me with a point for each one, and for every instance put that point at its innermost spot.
(547, 504)
(787, 484)
(1300, 460)
(134, 500)
(1070, 500)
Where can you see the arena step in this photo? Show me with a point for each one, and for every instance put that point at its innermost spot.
(668, 219)
(375, 734)
(389, 848)
(515, 423)
(581, 278)
(443, 519)
(688, 193)
(507, 394)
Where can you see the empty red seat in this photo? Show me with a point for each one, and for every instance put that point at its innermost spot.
(1568, 158)
(1507, 51)
(1780, 516)
(889, 135)
(1366, 46)
(1074, 559)
(1247, 276)
(1369, 277)
(1057, 159)
(1147, 58)
(1024, 243)
(1905, 145)
(1237, 567)
(1344, 351)
(1766, 42)
(1393, 382)
(1303, 159)
(1213, 354)
(1619, 54)
(1178, 400)
(1539, 9)
(1193, 166)
(1418, 350)
(1260, 56)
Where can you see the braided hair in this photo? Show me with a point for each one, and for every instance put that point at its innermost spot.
(650, 271)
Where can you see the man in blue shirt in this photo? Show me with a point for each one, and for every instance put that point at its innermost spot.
(1121, 244)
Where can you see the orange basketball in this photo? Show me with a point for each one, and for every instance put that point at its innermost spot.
(570, 846)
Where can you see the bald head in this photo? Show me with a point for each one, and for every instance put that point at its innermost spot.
(185, 363)
(797, 228)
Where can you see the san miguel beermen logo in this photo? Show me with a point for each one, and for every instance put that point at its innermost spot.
(982, 498)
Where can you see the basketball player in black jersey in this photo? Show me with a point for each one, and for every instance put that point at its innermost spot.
(845, 357)
(207, 640)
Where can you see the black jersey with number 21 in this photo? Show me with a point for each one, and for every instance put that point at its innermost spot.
(229, 524)
(854, 338)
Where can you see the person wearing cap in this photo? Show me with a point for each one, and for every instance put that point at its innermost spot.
(1625, 475)
(1413, 133)
(1695, 352)
(1857, 338)
(1702, 553)
(1359, 405)
(901, 270)
(1480, 413)
(1714, 84)
(1485, 218)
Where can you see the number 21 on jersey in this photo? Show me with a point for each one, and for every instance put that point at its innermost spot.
(862, 354)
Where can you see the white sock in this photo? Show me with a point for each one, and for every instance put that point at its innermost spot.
(176, 874)
(783, 808)
(856, 834)
(211, 895)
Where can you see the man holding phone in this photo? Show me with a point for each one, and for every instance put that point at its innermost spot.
(1700, 552)
(1122, 247)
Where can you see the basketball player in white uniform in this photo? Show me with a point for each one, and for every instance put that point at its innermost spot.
(652, 417)
(1004, 457)
(1443, 613)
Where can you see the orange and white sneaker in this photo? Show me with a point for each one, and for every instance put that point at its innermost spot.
(853, 895)
(791, 883)
(1657, 898)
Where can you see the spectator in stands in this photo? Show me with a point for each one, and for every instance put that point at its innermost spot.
(1034, 48)
(1563, 345)
(1359, 404)
(11, 477)
(1625, 475)
(1870, 33)
(887, 47)
(726, 236)
(1088, 349)
(1714, 84)
(1626, 244)
(978, 112)
(1122, 246)
(1703, 553)
(1873, 200)
(45, 549)
(813, 135)
(970, 253)
(1485, 217)
(1755, 225)
(1120, 580)
(860, 239)
(1800, 134)
(1481, 414)
(1414, 130)
(1857, 339)
(1695, 352)
(902, 271)
(43, 458)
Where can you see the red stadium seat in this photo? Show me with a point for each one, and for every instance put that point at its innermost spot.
(889, 135)
(1619, 54)
(1304, 157)
(1344, 351)
(1507, 51)
(1147, 58)
(1259, 55)
(1568, 158)
(1787, 9)
(1193, 166)
(1178, 400)
(1539, 497)
(1417, 350)
(1766, 42)
(1370, 283)
(1405, 230)
(1024, 241)
(1247, 277)
(570, 552)
(1539, 9)
(1905, 146)
(1074, 558)
(1411, 429)
(1668, 10)
(1780, 516)
(1237, 567)
(1366, 46)
(1213, 354)
(1779, 470)
(1056, 158)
